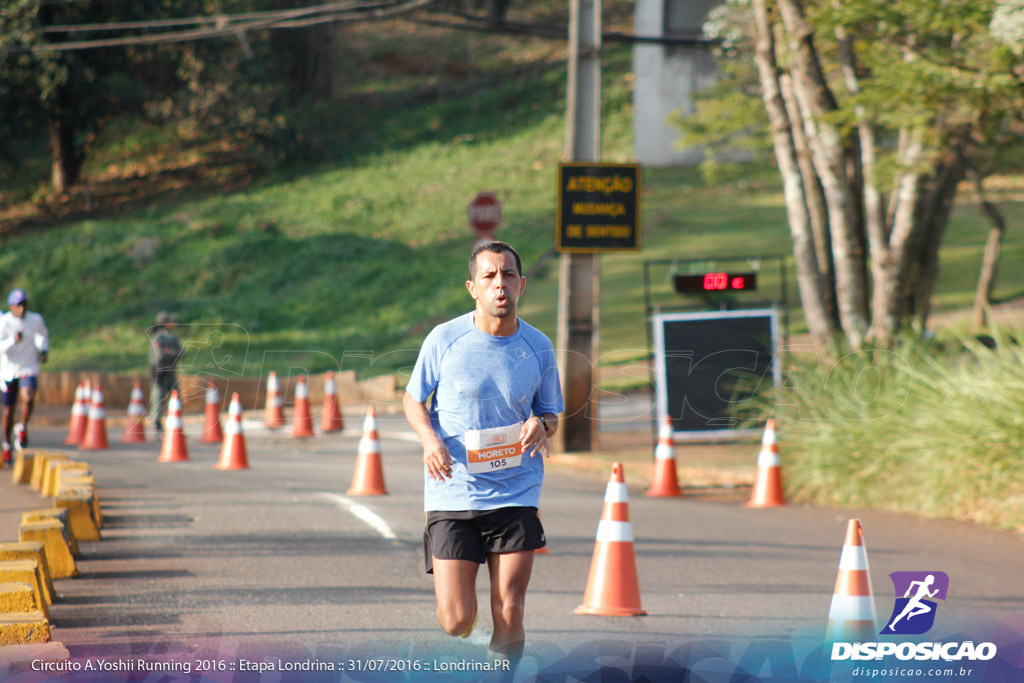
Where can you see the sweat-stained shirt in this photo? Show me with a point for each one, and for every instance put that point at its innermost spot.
(484, 387)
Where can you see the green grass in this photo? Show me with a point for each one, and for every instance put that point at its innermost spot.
(933, 430)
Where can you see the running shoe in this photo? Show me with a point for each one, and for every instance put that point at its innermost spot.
(472, 626)
(7, 454)
(20, 437)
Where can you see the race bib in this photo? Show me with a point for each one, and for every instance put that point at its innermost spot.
(489, 450)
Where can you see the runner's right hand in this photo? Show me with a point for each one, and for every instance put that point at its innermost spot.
(437, 460)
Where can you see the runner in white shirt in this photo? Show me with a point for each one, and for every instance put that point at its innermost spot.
(24, 344)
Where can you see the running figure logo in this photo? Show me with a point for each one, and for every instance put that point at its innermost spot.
(914, 613)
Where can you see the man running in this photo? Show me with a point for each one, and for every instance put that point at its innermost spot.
(24, 344)
(494, 398)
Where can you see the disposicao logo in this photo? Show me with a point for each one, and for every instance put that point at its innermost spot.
(914, 613)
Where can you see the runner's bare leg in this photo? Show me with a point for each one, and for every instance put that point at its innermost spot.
(28, 396)
(455, 588)
(510, 576)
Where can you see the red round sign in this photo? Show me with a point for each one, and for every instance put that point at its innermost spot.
(484, 213)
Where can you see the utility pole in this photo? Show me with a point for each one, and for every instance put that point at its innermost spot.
(579, 274)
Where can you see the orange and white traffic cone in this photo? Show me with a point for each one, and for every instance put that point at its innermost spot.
(665, 483)
(232, 452)
(368, 479)
(173, 448)
(211, 430)
(95, 438)
(302, 423)
(767, 490)
(613, 588)
(331, 421)
(851, 617)
(79, 415)
(135, 431)
(273, 415)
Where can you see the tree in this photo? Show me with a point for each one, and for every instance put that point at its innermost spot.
(303, 58)
(876, 110)
(68, 96)
(1007, 25)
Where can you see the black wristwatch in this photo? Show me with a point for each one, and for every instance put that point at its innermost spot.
(544, 421)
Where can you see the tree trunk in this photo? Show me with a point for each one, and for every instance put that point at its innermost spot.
(304, 58)
(809, 279)
(990, 261)
(497, 9)
(874, 202)
(890, 269)
(817, 211)
(934, 214)
(65, 157)
(830, 160)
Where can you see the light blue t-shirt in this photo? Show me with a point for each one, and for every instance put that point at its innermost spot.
(480, 381)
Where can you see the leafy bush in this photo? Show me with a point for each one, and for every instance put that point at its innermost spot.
(930, 429)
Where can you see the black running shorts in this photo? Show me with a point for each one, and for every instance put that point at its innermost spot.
(473, 534)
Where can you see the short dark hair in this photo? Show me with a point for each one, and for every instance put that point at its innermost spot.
(497, 248)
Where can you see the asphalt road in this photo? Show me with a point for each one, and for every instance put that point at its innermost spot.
(277, 561)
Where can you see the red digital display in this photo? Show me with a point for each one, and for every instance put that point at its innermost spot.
(716, 282)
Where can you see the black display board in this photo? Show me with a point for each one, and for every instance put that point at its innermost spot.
(705, 362)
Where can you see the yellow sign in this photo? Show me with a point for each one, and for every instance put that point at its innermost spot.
(598, 207)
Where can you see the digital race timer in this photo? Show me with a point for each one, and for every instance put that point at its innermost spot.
(716, 282)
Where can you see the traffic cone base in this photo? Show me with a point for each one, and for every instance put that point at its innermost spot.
(665, 483)
(173, 448)
(767, 490)
(368, 479)
(852, 631)
(610, 570)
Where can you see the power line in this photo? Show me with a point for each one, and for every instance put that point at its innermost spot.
(220, 19)
(331, 12)
(230, 25)
(479, 24)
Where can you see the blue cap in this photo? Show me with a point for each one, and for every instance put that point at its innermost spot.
(17, 296)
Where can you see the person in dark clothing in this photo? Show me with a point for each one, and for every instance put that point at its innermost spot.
(164, 354)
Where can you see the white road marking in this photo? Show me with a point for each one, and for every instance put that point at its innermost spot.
(372, 519)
